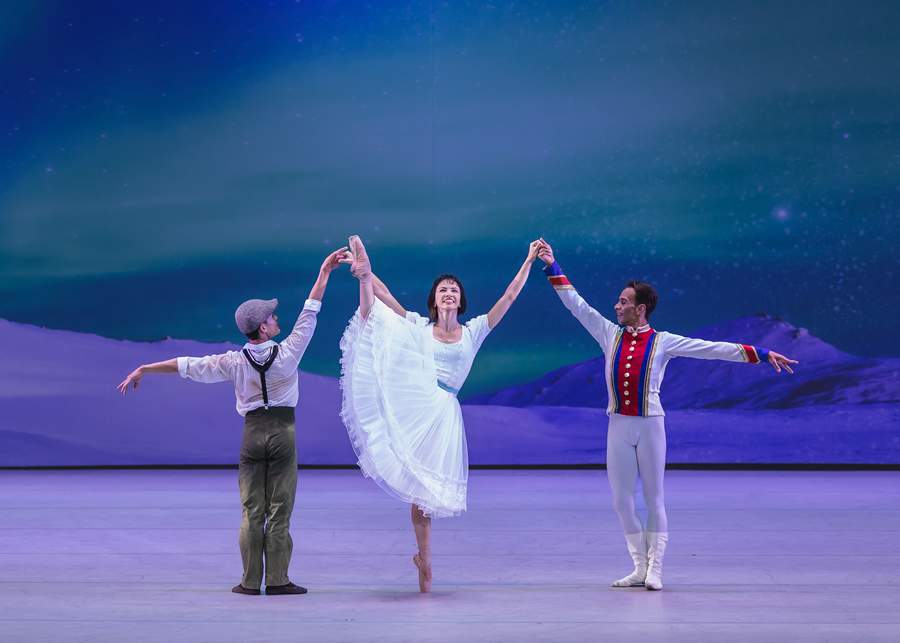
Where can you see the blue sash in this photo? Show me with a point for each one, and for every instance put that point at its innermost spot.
(449, 389)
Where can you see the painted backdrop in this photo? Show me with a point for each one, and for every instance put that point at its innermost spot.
(164, 161)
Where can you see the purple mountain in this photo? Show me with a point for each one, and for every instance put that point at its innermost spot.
(59, 406)
(825, 376)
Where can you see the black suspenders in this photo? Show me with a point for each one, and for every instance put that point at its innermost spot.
(261, 369)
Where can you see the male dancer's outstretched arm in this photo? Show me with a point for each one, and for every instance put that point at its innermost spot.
(678, 346)
(134, 378)
(599, 327)
(294, 345)
(208, 369)
(675, 345)
(220, 367)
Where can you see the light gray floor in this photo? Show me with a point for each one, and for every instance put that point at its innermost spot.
(151, 555)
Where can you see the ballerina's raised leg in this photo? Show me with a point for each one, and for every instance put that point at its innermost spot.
(400, 376)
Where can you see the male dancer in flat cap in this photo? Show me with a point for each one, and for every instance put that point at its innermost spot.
(636, 357)
(265, 380)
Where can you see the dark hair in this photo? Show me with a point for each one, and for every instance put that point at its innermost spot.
(645, 294)
(254, 335)
(432, 309)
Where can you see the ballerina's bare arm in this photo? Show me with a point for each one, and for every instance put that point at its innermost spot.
(515, 286)
(383, 294)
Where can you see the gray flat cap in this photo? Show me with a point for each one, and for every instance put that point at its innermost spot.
(253, 312)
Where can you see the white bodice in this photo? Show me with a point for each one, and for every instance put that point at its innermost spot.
(454, 361)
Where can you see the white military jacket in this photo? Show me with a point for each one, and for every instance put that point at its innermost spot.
(636, 359)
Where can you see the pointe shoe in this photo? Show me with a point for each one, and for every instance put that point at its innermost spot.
(637, 547)
(424, 574)
(655, 552)
(361, 267)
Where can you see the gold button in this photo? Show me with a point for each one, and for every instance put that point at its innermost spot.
(627, 401)
(626, 384)
(634, 334)
(627, 374)
(633, 342)
(630, 356)
(626, 392)
(631, 349)
(627, 365)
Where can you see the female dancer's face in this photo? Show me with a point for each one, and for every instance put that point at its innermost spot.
(447, 296)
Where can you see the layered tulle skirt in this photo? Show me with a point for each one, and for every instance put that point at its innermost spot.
(407, 432)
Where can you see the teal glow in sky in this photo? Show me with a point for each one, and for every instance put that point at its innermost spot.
(163, 162)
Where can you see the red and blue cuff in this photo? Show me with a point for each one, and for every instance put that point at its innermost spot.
(754, 354)
(557, 279)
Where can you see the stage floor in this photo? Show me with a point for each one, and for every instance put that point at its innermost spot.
(151, 556)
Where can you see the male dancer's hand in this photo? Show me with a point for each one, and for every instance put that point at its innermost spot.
(336, 258)
(546, 252)
(134, 377)
(133, 380)
(779, 361)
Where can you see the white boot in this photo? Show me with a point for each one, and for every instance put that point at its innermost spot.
(637, 547)
(656, 550)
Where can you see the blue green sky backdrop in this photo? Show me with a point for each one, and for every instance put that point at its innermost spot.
(164, 161)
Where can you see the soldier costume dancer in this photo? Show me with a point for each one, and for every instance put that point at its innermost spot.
(265, 380)
(636, 357)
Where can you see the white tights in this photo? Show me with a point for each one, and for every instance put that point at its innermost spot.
(637, 446)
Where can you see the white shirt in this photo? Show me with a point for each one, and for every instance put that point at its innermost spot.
(454, 361)
(281, 378)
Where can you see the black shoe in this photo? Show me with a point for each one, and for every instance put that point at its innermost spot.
(290, 588)
(240, 589)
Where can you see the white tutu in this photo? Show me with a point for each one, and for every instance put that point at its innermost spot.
(406, 431)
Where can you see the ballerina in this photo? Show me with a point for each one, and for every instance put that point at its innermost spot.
(400, 375)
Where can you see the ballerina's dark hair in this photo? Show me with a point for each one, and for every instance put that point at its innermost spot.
(432, 309)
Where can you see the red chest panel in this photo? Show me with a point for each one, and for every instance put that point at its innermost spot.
(630, 370)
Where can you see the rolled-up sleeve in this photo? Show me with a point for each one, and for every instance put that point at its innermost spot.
(208, 369)
(293, 347)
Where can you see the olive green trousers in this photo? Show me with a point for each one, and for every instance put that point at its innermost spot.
(267, 475)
